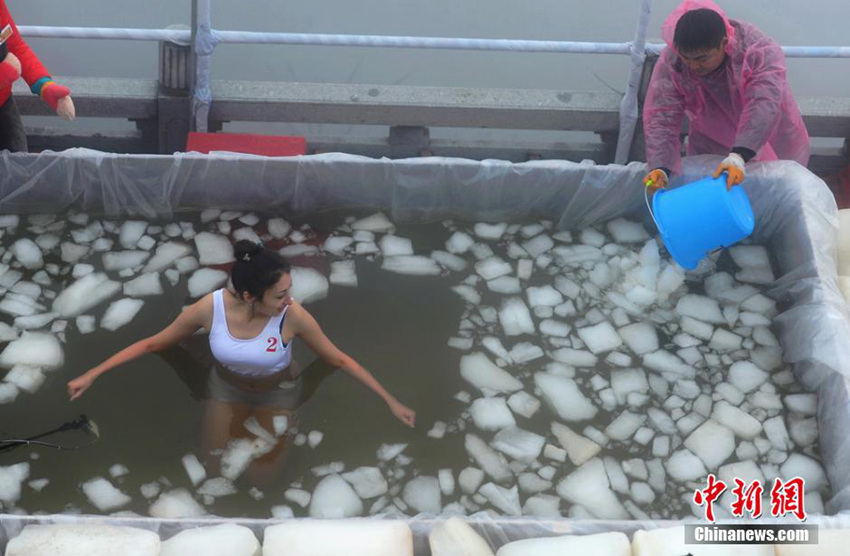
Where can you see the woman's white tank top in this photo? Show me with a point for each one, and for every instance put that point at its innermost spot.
(262, 355)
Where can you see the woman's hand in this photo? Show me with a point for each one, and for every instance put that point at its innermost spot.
(79, 385)
(403, 413)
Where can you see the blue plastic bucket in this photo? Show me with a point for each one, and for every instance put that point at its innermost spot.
(699, 217)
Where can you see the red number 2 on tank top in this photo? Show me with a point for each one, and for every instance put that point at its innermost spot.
(272, 344)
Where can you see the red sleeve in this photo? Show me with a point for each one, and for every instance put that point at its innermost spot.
(31, 67)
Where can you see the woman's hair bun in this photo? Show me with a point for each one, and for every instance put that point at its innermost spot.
(244, 249)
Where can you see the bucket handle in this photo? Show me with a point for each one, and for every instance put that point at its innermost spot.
(649, 207)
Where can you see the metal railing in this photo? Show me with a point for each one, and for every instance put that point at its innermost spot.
(204, 39)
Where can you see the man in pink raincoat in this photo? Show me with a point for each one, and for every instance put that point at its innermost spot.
(729, 79)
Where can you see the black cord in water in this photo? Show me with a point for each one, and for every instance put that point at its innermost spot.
(81, 423)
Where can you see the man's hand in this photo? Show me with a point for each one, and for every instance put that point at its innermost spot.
(735, 170)
(403, 413)
(656, 179)
(10, 70)
(58, 98)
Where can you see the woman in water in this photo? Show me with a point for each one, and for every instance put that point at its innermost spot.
(251, 329)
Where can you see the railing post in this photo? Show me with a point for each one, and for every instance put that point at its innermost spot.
(203, 44)
(175, 78)
(629, 112)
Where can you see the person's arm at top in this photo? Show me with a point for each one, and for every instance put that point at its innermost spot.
(309, 330)
(187, 323)
(764, 83)
(34, 72)
(663, 114)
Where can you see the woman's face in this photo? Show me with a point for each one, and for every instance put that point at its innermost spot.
(276, 298)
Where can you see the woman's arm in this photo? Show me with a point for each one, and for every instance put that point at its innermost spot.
(309, 330)
(186, 324)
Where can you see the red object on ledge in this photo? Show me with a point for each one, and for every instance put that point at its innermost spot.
(265, 145)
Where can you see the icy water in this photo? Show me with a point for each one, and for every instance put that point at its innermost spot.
(621, 409)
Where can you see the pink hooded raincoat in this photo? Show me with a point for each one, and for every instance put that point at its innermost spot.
(746, 102)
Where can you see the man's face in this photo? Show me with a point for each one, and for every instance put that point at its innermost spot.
(703, 62)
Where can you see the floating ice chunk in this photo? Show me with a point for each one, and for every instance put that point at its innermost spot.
(701, 308)
(741, 423)
(524, 352)
(519, 444)
(550, 327)
(564, 396)
(8, 392)
(746, 377)
(454, 537)
(589, 236)
(85, 324)
(807, 404)
(131, 232)
(492, 268)
(115, 261)
(600, 338)
(724, 341)
(530, 483)
(489, 460)
(87, 292)
(146, 243)
(760, 304)
(19, 305)
(684, 466)
(9, 221)
(538, 245)
(438, 430)
(184, 265)
(297, 496)
(799, 465)
(762, 275)
(804, 432)
(217, 487)
(575, 357)
(120, 313)
(300, 250)
(588, 486)
(144, 285)
(392, 246)
(478, 370)
(35, 349)
(314, 438)
(34, 322)
(89, 540)
(333, 497)
(712, 443)
(696, 328)
(227, 539)
(542, 506)
(523, 403)
(27, 253)
(470, 479)
(377, 223)
(349, 537)
(576, 254)
(213, 249)
(452, 262)
(415, 265)
(176, 504)
(308, 285)
(505, 285)
(506, 500)
(750, 256)
(165, 255)
(469, 294)
(665, 362)
(627, 381)
(624, 426)
(641, 337)
(388, 452)
(194, 469)
(491, 414)
(205, 280)
(11, 479)
(239, 453)
(7, 333)
(490, 231)
(423, 495)
(626, 231)
(777, 433)
(118, 470)
(579, 449)
(368, 482)
(670, 279)
(246, 234)
(459, 243)
(545, 296)
(278, 227)
(104, 495)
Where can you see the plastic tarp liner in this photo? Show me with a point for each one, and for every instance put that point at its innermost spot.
(796, 219)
